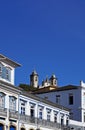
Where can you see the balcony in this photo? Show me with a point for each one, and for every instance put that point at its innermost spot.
(41, 122)
(3, 112)
(27, 119)
(13, 114)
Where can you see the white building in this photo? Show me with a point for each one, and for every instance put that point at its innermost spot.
(8, 95)
(70, 96)
(20, 110)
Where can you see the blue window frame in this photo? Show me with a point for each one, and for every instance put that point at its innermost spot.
(12, 128)
(1, 127)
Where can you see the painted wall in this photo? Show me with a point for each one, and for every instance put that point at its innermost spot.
(64, 100)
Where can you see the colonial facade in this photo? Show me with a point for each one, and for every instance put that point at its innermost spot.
(70, 96)
(20, 110)
(38, 114)
(8, 95)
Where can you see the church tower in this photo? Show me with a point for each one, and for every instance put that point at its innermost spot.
(34, 79)
(53, 80)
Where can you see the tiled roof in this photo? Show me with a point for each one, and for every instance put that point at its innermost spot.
(47, 89)
(35, 97)
(20, 91)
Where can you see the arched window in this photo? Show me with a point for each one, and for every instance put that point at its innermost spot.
(1, 126)
(12, 127)
(22, 128)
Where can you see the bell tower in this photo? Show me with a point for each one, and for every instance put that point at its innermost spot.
(53, 80)
(34, 79)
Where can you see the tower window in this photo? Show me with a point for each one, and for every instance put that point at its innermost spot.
(35, 78)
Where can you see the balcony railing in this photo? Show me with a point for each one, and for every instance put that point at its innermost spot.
(3, 112)
(41, 122)
(13, 114)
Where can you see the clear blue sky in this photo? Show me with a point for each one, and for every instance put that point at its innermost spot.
(45, 35)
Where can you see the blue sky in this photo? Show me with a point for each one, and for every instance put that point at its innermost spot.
(45, 35)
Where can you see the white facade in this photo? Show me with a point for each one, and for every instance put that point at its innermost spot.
(72, 97)
(21, 110)
(44, 115)
(8, 106)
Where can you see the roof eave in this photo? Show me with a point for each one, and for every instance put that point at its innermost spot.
(9, 61)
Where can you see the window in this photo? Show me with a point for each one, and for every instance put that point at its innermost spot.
(0, 70)
(12, 127)
(40, 112)
(1, 126)
(67, 121)
(48, 114)
(45, 97)
(22, 128)
(32, 110)
(62, 120)
(5, 72)
(84, 98)
(84, 116)
(58, 99)
(70, 99)
(12, 103)
(2, 99)
(55, 82)
(8, 74)
(55, 117)
(36, 78)
(71, 115)
(23, 107)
